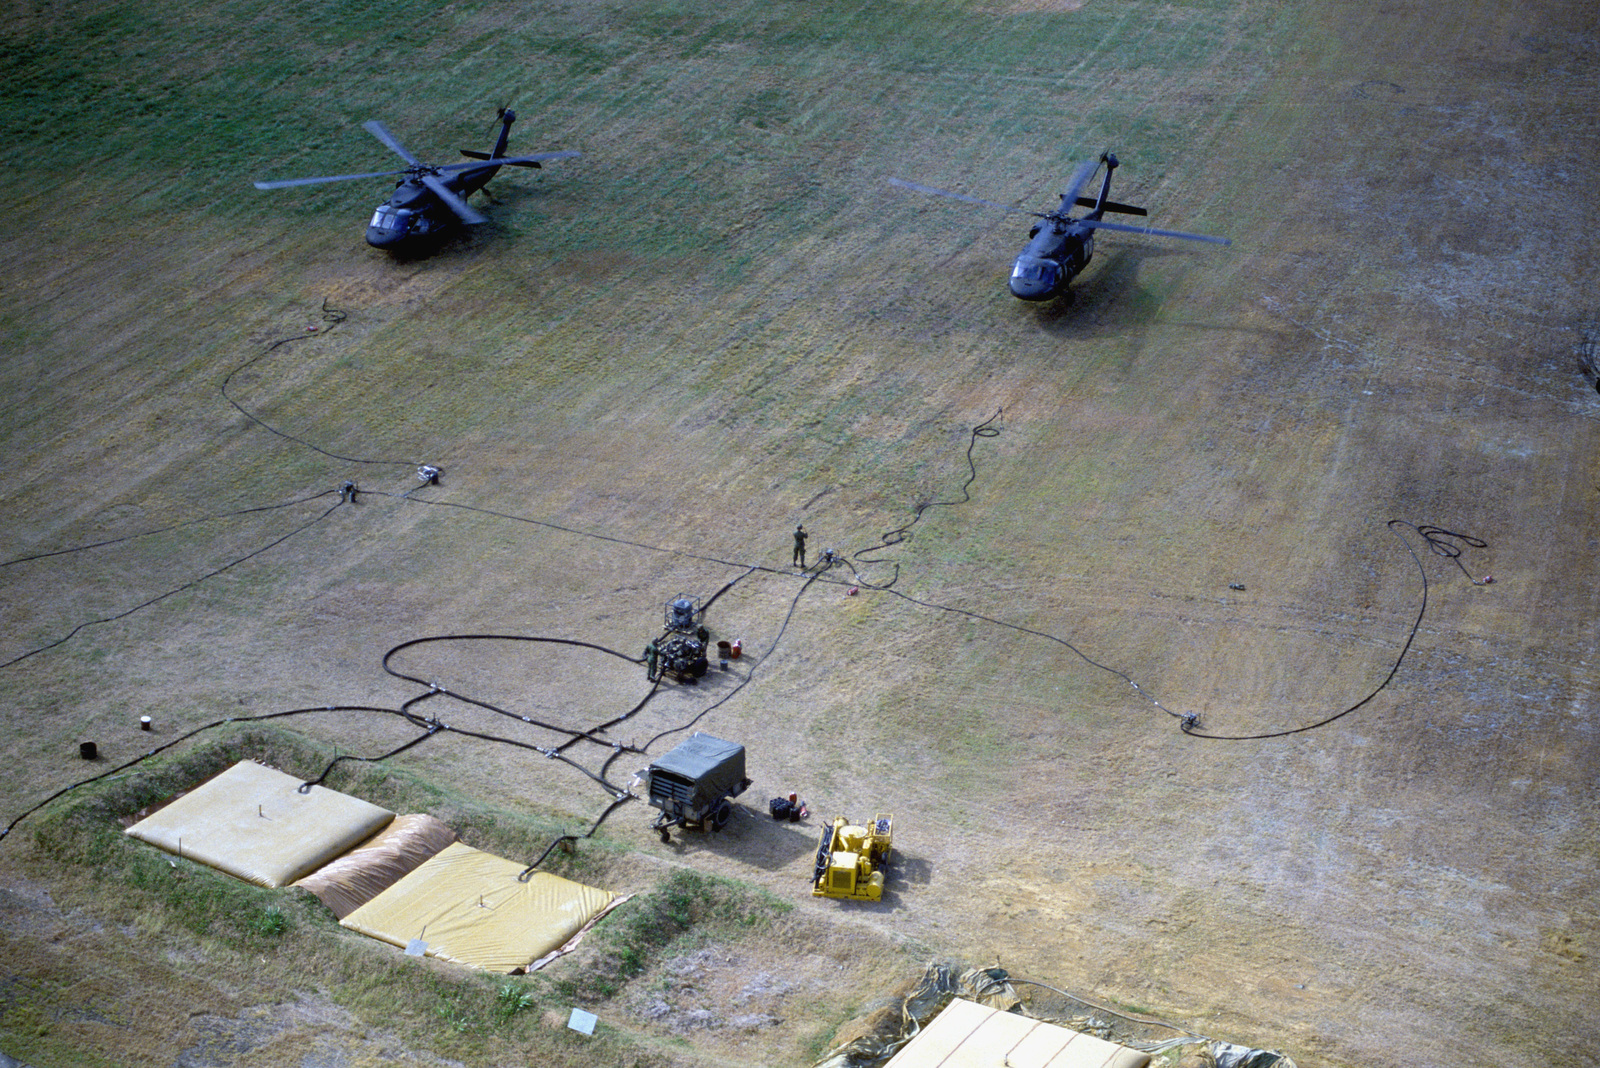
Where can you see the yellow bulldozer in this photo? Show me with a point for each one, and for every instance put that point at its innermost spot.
(851, 859)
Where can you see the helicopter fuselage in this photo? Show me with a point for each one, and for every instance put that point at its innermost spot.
(1056, 251)
(413, 216)
(1060, 246)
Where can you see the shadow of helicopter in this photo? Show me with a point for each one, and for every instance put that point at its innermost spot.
(1108, 299)
(1111, 299)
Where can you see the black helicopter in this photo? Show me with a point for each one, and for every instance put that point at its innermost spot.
(429, 201)
(1060, 246)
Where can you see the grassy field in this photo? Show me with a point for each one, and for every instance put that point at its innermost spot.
(720, 321)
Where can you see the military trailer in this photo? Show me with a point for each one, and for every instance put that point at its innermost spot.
(692, 785)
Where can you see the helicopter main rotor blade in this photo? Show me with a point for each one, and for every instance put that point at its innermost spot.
(452, 200)
(958, 196)
(508, 161)
(287, 182)
(381, 132)
(1080, 177)
(1101, 224)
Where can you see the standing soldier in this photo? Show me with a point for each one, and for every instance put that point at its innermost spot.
(800, 545)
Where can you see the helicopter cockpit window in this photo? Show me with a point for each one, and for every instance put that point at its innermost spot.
(1033, 271)
(387, 218)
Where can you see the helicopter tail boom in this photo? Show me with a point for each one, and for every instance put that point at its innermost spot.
(507, 117)
(1098, 204)
(472, 153)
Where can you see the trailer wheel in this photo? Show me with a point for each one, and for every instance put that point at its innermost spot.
(666, 836)
(724, 813)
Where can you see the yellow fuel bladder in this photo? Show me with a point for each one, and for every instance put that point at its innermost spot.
(254, 823)
(470, 907)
